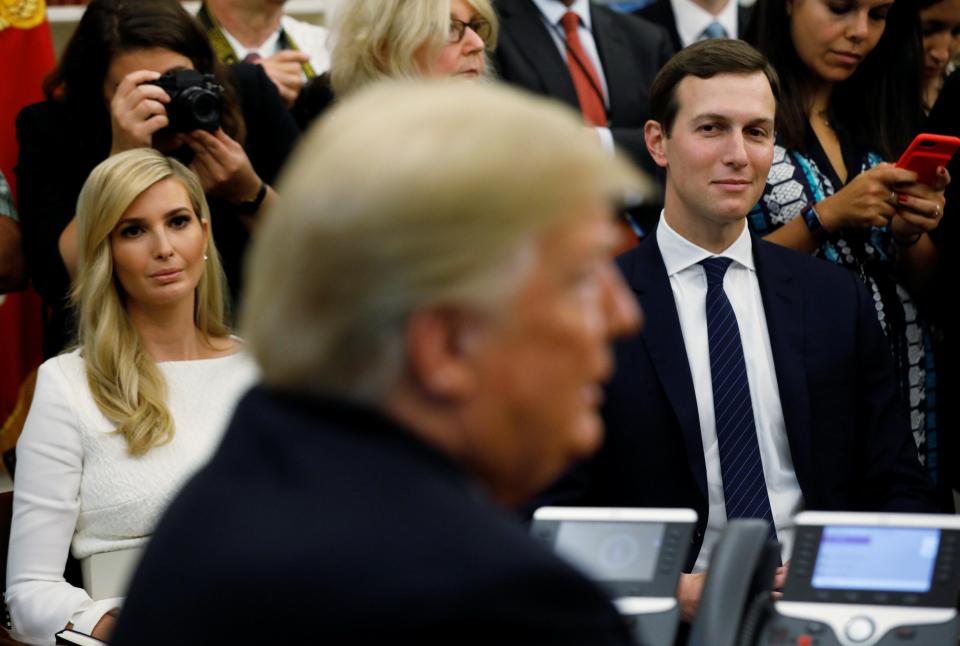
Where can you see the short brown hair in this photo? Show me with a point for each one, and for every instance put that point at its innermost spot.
(704, 60)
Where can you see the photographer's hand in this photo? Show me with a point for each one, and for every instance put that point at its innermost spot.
(222, 166)
(137, 111)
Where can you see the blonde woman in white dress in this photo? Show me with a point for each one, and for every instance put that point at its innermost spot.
(119, 423)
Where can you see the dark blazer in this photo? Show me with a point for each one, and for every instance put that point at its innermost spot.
(314, 100)
(321, 522)
(631, 52)
(661, 13)
(58, 150)
(944, 119)
(847, 432)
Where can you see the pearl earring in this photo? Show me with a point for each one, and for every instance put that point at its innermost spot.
(204, 257)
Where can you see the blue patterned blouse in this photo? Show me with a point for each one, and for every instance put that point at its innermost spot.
(799, 178)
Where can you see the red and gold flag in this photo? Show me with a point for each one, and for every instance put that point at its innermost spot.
(26, 56)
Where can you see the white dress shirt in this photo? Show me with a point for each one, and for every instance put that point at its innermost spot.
(309, 38)
(692, 19)
(689, 284)
(551, 11)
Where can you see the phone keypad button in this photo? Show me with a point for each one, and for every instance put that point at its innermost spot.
(859, 629)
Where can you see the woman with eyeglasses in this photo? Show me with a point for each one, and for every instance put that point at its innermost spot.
(381, 39)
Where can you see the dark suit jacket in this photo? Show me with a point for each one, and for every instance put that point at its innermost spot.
(321, 522)
(661, 13)
(847, 432)
(631, 52)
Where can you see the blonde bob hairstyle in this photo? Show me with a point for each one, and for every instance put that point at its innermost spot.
(438, 201)
(126, 384)
(376, 39)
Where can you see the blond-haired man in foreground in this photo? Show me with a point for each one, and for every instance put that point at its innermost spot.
(431, 305)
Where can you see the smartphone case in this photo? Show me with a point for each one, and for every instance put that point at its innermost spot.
(925, 153)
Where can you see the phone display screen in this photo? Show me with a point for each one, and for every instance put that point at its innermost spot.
(612, 551)
(891, 559)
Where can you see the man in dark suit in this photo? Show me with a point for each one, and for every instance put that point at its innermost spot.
(432, 339)
(611, 61)
(761, 384)
(688, 21)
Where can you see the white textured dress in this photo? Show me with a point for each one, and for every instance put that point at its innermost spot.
(78, 488)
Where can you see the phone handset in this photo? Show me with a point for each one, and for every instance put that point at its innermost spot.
(736, 593)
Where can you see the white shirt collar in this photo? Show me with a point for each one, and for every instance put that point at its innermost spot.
(266, 49)
(692, 19)
(554, 10)
(679, 253)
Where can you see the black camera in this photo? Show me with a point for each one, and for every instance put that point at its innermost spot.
(196, 100)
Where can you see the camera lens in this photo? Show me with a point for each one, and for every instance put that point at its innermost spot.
(203, 106)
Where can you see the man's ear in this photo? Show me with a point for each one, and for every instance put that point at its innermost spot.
(656, 141)
(439, 345)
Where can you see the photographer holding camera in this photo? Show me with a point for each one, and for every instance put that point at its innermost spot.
(142, 73)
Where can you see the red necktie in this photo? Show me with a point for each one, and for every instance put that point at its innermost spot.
(584, 76)
(252, 57)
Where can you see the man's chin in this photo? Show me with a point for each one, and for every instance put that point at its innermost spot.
(589, 435)
(734, 209)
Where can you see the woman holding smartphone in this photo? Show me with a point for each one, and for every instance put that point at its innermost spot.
(850, 103)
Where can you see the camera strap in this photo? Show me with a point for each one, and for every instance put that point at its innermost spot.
(224, 51)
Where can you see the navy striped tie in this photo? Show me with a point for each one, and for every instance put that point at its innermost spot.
(744, 488)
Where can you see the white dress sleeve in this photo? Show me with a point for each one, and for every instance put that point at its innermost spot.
(45, 509)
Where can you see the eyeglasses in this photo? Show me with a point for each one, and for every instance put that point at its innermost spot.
(479, 26)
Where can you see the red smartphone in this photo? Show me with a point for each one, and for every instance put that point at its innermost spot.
(925, 153)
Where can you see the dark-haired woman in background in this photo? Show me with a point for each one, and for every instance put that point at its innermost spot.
(851, 101)
(100, 102)
(940, 24)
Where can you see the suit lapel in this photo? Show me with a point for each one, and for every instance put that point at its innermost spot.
(661, 13)
(784, 309)
(615, 58)
(525, 26)
(743, 19)
(664, 341)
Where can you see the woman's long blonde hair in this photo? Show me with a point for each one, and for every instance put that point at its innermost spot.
(127, 386)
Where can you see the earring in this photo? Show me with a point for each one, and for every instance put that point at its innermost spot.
(204, 257)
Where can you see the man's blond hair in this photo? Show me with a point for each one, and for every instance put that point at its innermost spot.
(410, 195)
